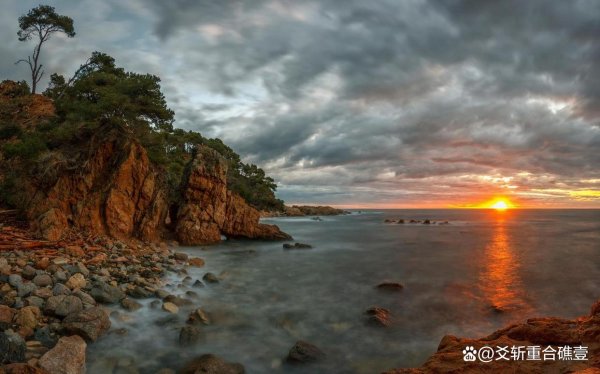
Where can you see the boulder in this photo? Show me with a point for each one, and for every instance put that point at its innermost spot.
(130, 305)
(296, 246)
(303, 352)
(12, 347)
(189, 335)
(76, 281)
(42, 280)
(22, 368)
(211, 364)
(105, 293)
(28, 272)
(28, 317)
(90, 324)
(198, 316)
(210, 278)
(180, 256)
(6, 316)
(63, 305)
(196, 262)
(67, 357)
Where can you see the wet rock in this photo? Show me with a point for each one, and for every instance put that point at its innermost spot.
(189, 335)
(28, 317)
(43, 293)
(105, 293)
(170, 307)
(42, 280)
(35, 349)
(198, 316)
(63, 305)
(67, 357)
(60, 276)
(140, 293)
(297, 246)
(196, 261)
(303, 352)
(28, 272)
(12, 347)
(390, 286)
(90, 324)
(42, 263)
(211, 364)
(378, 316)
(426, 222)
(76, 281)
(198, 284)
(210, 278)
(179, 301)
(180, 256)
(130, 305)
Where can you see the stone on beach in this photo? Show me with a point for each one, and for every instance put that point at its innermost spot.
(211, 364)
(67, 357)
(170, 307)
(90, 324)
(303, 352)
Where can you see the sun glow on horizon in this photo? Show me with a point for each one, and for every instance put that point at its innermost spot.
(500, 205)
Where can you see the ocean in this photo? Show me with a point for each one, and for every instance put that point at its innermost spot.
(483, 271)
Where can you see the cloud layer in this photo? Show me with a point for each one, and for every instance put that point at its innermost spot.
(381, 103)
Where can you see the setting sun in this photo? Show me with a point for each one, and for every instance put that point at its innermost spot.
(500, 205)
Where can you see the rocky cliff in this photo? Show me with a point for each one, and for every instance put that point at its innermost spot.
(104, 183)
(118, 192)
(541, 332)
(208, 209)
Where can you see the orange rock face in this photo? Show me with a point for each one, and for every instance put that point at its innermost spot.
(209, 210)
(116, 194)
(542, 332)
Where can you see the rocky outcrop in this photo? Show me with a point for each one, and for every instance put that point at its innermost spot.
(106, 184)
(542, 332)
(306, 210)
(209, 210)
(117, 192)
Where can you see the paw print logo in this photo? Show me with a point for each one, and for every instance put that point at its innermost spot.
(469, 353)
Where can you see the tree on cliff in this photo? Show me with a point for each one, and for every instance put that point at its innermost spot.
(41, 22)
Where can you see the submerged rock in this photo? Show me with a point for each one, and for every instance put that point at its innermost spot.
(378, 316)
(210, 278)
(296, 246)
(211, 364)
(303, 352)
(390, 286)
(189, 335)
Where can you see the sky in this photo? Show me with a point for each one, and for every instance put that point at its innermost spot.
(380, 103)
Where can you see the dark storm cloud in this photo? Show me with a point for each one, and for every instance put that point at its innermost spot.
(378, 101)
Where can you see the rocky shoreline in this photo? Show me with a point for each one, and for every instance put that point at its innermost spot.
(58, 297)
(305, 210)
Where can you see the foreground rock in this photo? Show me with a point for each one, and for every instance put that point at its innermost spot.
(303, 352)
(211, 364)
(90, 324)
(67, 357)
(542, 332)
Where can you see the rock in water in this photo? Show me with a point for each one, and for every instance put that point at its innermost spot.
(210, 278)
(189, 335)
(90, 324)
(170, 307)
(303, 352)
(297, 246)
(196, 261)
(67, 357)
(130, 305)
(379, 316)
(12, 348)
(211, 364)
(390, 286)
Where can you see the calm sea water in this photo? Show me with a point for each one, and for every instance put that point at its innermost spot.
(481, 272)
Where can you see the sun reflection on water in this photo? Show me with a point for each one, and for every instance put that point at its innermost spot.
(500, 280)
